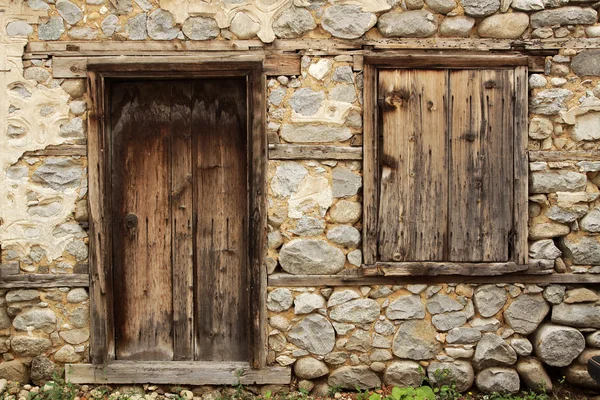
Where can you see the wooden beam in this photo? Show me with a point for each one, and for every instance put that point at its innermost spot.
(79, 150)
(313, 152)
(176, 372)
(446, 61)
(520, 249)
(370, 165)
(573, 155)
(44, 281)
(9, 269)
(444, 268)
(287, 280)
(282, 64)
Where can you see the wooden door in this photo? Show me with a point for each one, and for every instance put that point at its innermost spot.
(180, 232)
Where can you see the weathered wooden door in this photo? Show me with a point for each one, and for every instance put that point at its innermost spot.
(179, 219)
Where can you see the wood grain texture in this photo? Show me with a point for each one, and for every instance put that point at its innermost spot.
(221, 203)
(481, 165)
(370, 165)
(177, 372)
(571, 155)
(413, 177)
(140, 121)
(44, 280)
(313, 152)
(519, 247)
(448, 268)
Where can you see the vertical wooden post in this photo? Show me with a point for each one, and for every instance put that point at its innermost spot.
(521, 166)
(370, 164)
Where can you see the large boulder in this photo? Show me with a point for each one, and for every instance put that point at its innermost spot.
(587, 63)
(37, 318)
(404, 374)
(526, 313)
(360, 311)
(314, 334)
(347, 21)
(557, 345)
(578, 315)
(309, 368)
(351, 377)
(493, 351)
(406, 307)
(416, 340)
(43, 370)
(583, 250)
(458, 372)
(499, 380)
(311, 257)
(534, 375)
(14, 371)
(489, 299)
(30, 346)
(408, 24)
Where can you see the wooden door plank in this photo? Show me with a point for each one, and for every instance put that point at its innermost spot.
(221, 200)
(182, 220)
(414, 187)
(481, 167)
(370, 165)
(521, 167)
(141, 220)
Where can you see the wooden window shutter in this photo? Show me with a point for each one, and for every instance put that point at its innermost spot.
(446, 165)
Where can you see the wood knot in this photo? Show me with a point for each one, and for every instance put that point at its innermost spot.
(490, 84)
(470, 136)
(397, 98)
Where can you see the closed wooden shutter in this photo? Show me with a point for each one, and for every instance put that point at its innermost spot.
(446, 165)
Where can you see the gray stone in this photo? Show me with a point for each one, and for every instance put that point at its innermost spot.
(549, 101)
(306, 101)
(560, 181)
(521, 346)
(22, 295)
(459, 26)
(540, 128)
(51, 30)
(243, 26)
(30, 346)
(344, 235)
(404, 374)
(492, 351)
(14, 371)
(557, 345)
(544, 249)
(277, 95)
(43, 370)
(78, 249)
(346, 212)
(342, 329)
(75, 128)
(79, 317)
(200, 28)
(578, 375)
(587, 63)
(38, 74)
(409, 24)
(308, 302)
(583, 250)
(418, 289)
(77, 295)
(309, 368)
(343, 93)
(458, 372)
(336, 358)
(463, 336)
(528, 5)
(566, 216)
(591, 222)
(480, 8)
(144, 5)
(38, 5)
(498, 380)
(311, 257)
(341, 297)
(414, 4)
(122, 6)
(78, 107)
(274, 239)
(287, 178)
(534, 375)
(37, 318)
(537, 81)
(359, 311)
(441, 6)
(161, 25)
(293, 22)
(406, 307)
(18, 28)
(593, 340)
(548, 230)
(75, 336)
(504, 26)
(309, 226)
(440, 303)
(580, 295)
(579, 315)
(554, 294)
(564, 16)
(359, 341)
(343, 74)
(83, 33)
(352, 377)
(416, 340)
(74, 87)
(69, 11)
(384, 327)
(67, 354)
(314, 334)
(345, 182)
(347, 21)
(109, 24)
(526, 313)
(137, 28)
(489, 299)
(445, 322)
(5, 320)
(279, 300)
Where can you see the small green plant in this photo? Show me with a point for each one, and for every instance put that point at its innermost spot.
(268, 395)
(362, 394)
(56, 389)
(333, 390)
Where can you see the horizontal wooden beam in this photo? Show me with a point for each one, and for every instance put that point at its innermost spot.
(62, 150)
(446, 61)
(283, 280)
(44, 280)
(313, 152)
(443, 268)
(572, 155)
(177, 372)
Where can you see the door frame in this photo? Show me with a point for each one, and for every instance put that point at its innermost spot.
(102, 340)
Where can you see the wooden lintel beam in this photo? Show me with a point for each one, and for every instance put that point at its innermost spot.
(313, 152)
(177, 372)
(444, 268)
(62, 150)
(287, 280)
(44, 281)
(572, 155)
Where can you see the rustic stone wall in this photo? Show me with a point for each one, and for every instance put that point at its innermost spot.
(502, 334)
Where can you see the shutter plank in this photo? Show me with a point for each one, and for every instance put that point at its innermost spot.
(481, 168)
(141, 220)
(414, 188)
(182, 217)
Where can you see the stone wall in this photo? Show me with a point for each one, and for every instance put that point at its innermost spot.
(502, 334)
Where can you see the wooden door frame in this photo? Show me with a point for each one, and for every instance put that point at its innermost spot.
(102, 340)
